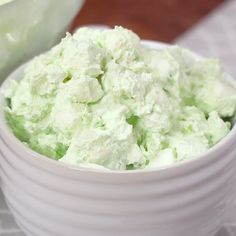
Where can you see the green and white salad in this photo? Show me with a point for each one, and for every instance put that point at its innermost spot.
(101, 99)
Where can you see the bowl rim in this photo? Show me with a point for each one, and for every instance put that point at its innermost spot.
(6, 3)
(6, 134)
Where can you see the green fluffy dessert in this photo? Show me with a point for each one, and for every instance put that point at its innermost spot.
(101, 99)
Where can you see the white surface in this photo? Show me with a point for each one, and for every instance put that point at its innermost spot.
(50, 200)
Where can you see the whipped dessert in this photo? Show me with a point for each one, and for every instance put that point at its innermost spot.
(101, 99)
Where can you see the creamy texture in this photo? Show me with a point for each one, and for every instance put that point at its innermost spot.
(4, 1)
(102, 100)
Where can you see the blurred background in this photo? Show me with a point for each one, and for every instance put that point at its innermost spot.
(162, 20)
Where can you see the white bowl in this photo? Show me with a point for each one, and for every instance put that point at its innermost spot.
(28, 28)
(48, 198)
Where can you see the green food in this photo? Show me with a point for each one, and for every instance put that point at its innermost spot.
(102, 100)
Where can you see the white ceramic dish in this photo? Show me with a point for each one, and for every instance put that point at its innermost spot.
(28, 28)
(48, 198)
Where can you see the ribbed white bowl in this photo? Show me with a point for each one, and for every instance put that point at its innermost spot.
(49, 198)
